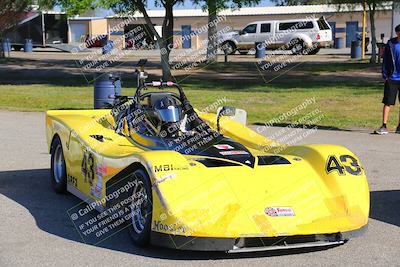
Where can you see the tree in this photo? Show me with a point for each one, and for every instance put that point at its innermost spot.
(11, 12)
(74, 7)
(213, 7)
(166, 41)
(298, 2)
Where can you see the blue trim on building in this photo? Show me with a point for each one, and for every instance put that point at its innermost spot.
(340, 30)
(117, 33)
(180, 32)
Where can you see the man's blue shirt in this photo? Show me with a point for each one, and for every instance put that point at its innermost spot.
(391, 61)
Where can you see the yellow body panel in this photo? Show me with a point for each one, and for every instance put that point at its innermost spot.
(192, 200)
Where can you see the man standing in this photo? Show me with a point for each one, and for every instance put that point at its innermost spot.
(391, 75)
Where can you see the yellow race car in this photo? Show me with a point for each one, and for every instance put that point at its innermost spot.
(185, 179)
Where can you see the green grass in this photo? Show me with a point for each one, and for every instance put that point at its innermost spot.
(344, 107)
(353, 101)
(313, 67)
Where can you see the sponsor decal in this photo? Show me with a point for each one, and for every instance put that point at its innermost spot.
(172, 228)
(95, 189)
(165, 178)
(234, 152)
(170, 167)
(279, 212)
(223, 147)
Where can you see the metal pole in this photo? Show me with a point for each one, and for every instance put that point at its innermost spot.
(392, 28)
(364, 25)
(43, 31)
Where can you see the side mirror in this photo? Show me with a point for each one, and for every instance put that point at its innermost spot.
(225, 111)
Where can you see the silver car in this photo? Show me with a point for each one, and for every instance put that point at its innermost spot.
(304, 36)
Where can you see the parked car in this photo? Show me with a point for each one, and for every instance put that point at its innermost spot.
(305, 36)
(96, 41)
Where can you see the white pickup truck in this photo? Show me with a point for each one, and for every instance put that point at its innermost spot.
(304, 36)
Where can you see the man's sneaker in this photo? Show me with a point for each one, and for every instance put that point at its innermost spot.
(382, 131)
(398, 129)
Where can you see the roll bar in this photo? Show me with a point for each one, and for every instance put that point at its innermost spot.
(161, 85)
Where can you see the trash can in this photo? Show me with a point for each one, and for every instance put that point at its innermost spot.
(108, 48)
(260, 49)
(356, 51)
(28, 47)
(381, 51)
(104, 89)
(339, 43)
(6, 45)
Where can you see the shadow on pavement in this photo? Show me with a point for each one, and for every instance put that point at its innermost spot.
(239, 76)
(32, 190)
(385, 206)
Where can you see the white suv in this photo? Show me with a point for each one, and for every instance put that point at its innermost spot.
(304, 36)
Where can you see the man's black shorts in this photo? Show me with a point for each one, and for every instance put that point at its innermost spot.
(392, 88)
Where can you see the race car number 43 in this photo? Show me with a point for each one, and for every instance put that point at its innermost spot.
(345, 164)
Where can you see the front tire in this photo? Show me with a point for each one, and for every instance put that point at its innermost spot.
(141, 209)
(58, 167)
(229, 48)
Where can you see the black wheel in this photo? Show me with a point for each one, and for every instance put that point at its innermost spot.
(313, 51)
(229, 48)
(141, 209)
(297, 47)
(58, 167)
(243, 52)
(17, 47)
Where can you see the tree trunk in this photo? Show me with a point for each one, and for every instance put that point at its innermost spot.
(2, 54)
(168, 40)
(212, 47)
(372, 8)
(164, 40)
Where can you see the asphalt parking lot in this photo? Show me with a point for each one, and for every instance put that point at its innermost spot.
(35, 229)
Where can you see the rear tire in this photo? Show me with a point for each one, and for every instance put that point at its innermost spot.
(298, 47)
(314, 51)
(141, 209)
(58, 167)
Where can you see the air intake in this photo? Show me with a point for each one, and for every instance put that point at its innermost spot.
(213, 163)
(272, 160)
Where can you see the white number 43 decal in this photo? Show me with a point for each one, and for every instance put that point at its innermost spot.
(345, 163)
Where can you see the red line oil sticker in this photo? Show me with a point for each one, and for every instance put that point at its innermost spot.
(279, 212)
(223, 147)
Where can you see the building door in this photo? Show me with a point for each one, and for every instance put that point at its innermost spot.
(333, 27)
(78, 31)
(187, 39)
(351, 32)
